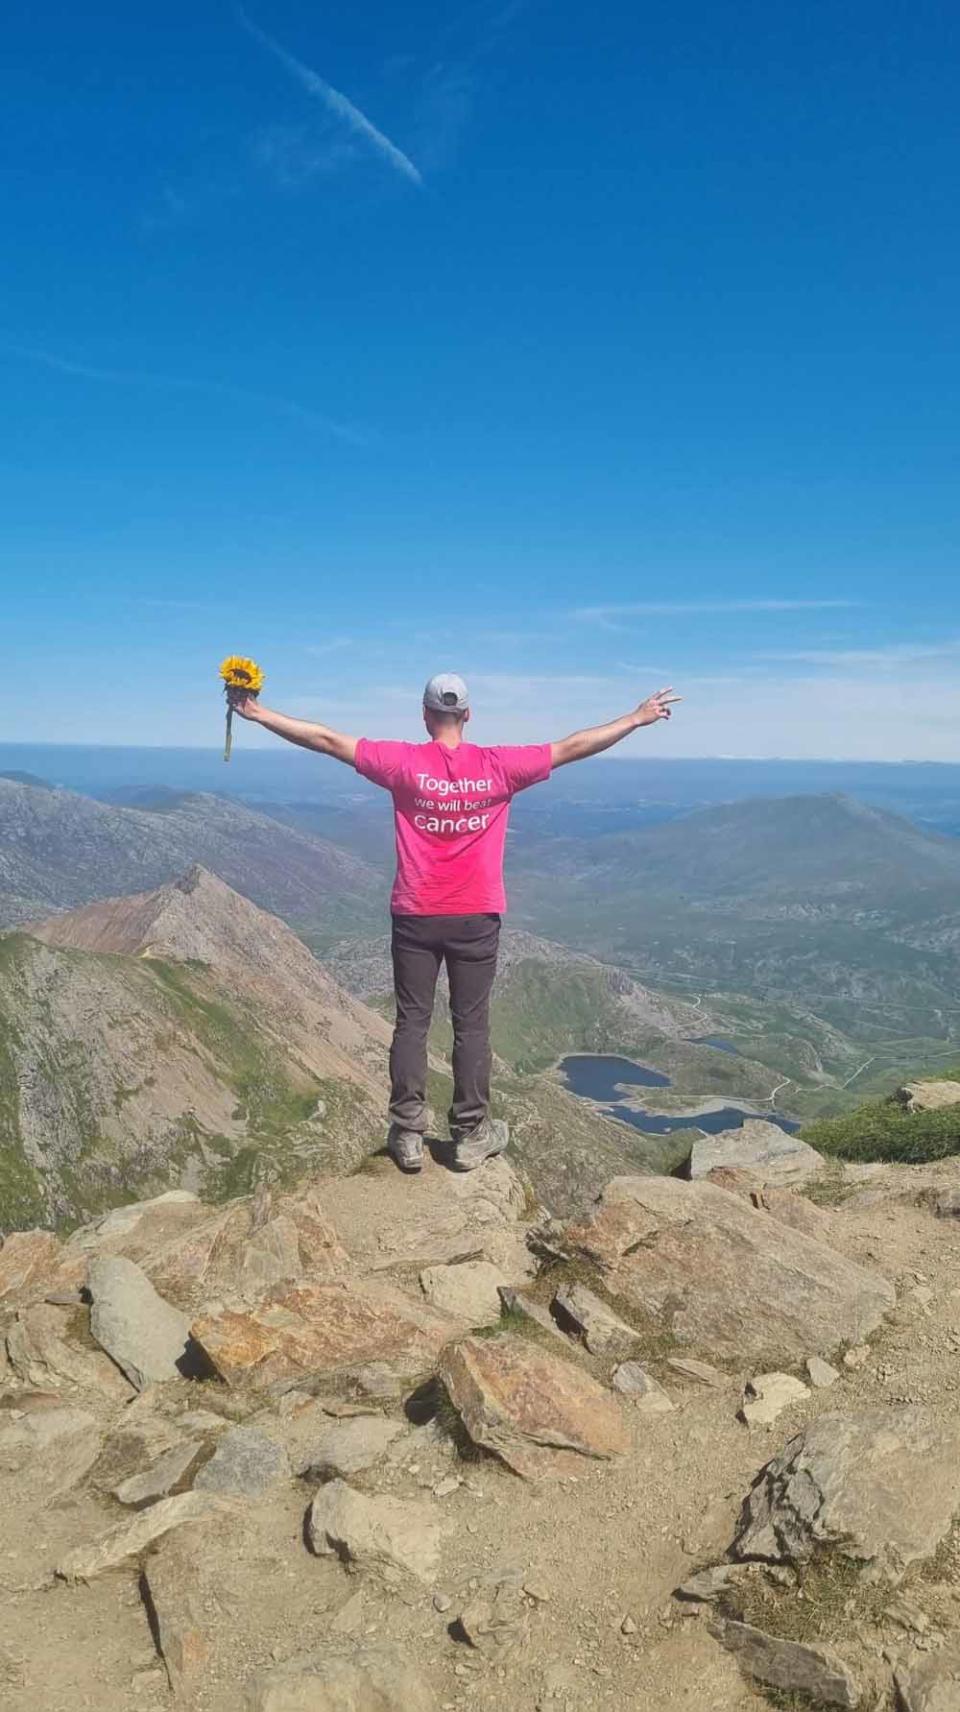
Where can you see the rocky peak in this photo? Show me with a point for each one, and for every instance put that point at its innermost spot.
(197, 916)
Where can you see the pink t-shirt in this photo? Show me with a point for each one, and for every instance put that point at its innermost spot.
(451, 808)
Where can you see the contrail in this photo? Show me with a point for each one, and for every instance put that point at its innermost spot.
(332, 99)
(182, 383)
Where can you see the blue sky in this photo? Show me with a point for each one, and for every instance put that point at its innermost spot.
(578, 349)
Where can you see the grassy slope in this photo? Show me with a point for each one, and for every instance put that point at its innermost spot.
(289, 1119)
(885, 1130)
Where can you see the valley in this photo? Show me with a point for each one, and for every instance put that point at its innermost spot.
(773, 956)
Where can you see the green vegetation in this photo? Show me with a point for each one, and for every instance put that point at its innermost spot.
(546, 1011)
(22, 1202)
(829, 1187)
(289, 1133)
(885, 1130)
(513, 1323)
(21, 1192)
(832, 1600)
(832, 1594)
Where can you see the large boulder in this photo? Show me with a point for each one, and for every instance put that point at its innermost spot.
(373, 1676)
(794, 1667)
(127, 1542)
(247, 1248)
(539, 1413)
(928, 1096)
(722, 1276)
(43, 1354)
(788, 1206)
(194, 1253)
(880, 1487)
(306, 1328)
(391, 1536)
(146, 1337)
(136, 1230)
(756, 1146)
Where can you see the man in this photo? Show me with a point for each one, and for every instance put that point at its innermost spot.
(451, 802)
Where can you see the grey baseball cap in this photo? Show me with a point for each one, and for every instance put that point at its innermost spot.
(446, 693)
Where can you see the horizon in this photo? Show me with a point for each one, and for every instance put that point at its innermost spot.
(584, 361)
(616, 757)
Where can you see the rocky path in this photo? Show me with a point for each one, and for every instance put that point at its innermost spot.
(386, 1444)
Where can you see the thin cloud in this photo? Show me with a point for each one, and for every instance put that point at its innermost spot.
(895, 654)
(678, 608)
(336, 103)
(181, 383)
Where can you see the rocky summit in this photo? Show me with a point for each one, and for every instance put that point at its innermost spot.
(363, 1444)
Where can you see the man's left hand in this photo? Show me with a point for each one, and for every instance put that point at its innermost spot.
(657, 706)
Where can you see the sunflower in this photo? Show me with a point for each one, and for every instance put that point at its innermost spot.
(240, 674)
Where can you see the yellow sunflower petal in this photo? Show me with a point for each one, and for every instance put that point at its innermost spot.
(240, 673)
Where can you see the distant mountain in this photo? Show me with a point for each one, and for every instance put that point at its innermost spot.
(840, 854)
(822, 902)
(16, 777)
(58, 850)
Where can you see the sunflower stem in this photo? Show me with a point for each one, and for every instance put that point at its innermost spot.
(229, 743)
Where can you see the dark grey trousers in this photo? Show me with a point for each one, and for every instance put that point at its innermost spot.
(468, 945)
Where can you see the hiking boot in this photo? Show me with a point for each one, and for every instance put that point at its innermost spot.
(489, 1138)
(405, 1148)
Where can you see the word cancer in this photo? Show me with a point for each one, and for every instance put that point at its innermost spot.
(446, 825)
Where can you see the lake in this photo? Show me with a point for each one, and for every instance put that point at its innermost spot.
(717, 1041)
(603, 1079)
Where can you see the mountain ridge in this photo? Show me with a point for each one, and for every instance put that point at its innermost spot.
(59, 850)
(179, 1038)
(763, 845)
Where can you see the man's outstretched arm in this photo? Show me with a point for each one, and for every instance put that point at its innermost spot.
(599, 737)
(300, 731)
